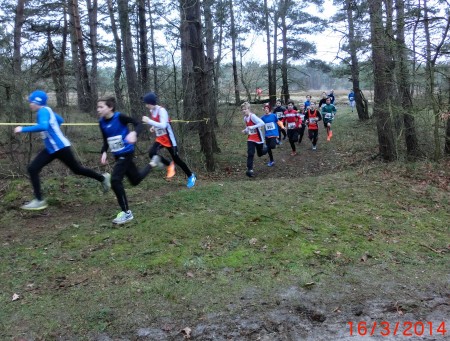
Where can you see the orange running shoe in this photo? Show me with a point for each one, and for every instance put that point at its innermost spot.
(170, 170)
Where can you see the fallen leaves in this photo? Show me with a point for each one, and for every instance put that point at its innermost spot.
(186, 332)
(15, 297)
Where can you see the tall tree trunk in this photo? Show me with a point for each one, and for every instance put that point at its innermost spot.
(128, 58)
(404, 85)
(79, 57)
(56, 66)
(237, 96)
(210, 68)
(93, 11)
(272, 85)
(193, 50)
(118, 56)
(362, 107)
(429, 67)
(152, 43)
(275, 52)
(381, 96)
(284, 71)
(143, 46)
(19, 20)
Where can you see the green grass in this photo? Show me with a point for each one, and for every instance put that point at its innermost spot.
(192, 252)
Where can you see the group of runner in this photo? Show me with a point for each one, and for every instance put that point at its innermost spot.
(286, 122)
(117, 137)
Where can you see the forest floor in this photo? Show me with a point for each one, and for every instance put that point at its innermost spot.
(394, 296)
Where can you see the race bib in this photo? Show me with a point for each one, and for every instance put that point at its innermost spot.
(312, 120)
(160, 131)
(328, 115)
(291, 125)
(115, 143)
(270, 126)
(302, 116)
(279, 114)
(252, 131)
(351, 99)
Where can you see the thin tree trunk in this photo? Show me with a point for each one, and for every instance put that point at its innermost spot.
(80, 55)
(128, 57)
(284, 71)
(272, 86)
(362, 107)
(381, 97)
(19, 20)
(404, 85)
(93, 24)
(118, 57)
(275, 56)
(237, 96)
(152, 43)
(143, 46)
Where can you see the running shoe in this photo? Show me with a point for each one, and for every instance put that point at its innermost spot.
(123, 217)
(35, 205)
(314, 147)
(293, 153)
(155, 162)
(271, 163)
(170, 170)
(106, 183)
(250, 173)
(191, 181)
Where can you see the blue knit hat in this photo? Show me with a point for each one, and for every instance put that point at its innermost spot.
(38, 97)
(150, 98)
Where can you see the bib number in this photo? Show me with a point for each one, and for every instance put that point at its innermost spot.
(327, 115)
(291, 125)
(270, 126)
(279, 114)
(115, 143)
(160, 131)
(252, 131)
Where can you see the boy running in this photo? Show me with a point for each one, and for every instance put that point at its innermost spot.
(255, 140)
(293, 123)
(165, 138)
(271, 131)
(57, 146)
(328, 112)
(118, 138)
(312, 116)
(279, 111)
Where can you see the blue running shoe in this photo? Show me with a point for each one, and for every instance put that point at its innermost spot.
(271, 163)
(191, 181)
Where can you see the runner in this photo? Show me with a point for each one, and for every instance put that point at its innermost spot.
(351, 99)
(57, 146)
(165, 138)
(328, 112)
(279, 111)
(293, 123)
(271, 131)
(313, 116)
(302, 128)
(118, 138)
(255, 140)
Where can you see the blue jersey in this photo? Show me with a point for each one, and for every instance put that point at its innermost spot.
(114, 131)
(271, 125)
(48, 123)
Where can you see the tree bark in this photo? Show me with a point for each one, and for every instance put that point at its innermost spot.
(93, 24)
(143, 46)
(362, 107)
(118, 57)
(272, 85)
(193, 51)
(79, 57)
(404, 85)
(128, 58)
(381, 96)
(237, 96)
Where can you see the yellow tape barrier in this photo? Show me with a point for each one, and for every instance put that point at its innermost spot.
(93, 124)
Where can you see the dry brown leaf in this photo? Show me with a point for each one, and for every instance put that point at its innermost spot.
(190, 274)
(186, 332)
